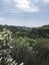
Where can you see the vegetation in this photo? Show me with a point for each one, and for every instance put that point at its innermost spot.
(24, 45)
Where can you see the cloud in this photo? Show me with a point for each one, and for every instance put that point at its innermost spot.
(12, 11)
(1, 18)
(7, 7)
(4, 21)
(35, 1)
(26, 6)
(46, 1)
(7, 0)
(0, 12)
(16, 6)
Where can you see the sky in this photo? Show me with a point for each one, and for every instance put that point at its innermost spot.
(30, 13)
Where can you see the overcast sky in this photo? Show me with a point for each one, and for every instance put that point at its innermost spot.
(31, 13)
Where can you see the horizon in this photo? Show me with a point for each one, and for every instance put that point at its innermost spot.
(28, 13)
(23, 26)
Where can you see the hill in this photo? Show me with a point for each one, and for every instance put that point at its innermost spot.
(38, 32)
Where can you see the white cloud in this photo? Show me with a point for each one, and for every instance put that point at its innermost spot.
(15, 6)
(26, 5)
(46, 1)
(1, 18)
(7, 21)
(0, 12)
(36, 1)
(13, 11)
(7, 0)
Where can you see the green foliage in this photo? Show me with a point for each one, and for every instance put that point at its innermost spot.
(6, 46)
(24, 49)
(21, 45)
(29, 51)
(27, 31)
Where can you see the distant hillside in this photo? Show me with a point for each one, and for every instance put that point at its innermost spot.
(27, 31)
(42, 31)
(45, 27)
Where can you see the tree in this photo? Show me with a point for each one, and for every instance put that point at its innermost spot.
(6, 45)
(24, 50)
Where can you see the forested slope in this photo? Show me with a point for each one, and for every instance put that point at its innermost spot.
(38, 32)
(24, 45)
